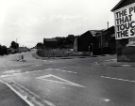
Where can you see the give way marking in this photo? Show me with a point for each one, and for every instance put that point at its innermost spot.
(56, 79)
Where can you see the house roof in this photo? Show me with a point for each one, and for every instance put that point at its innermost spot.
(92, 33)
(123, 3)
(96, 32)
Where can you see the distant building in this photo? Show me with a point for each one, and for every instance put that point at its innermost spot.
(23, 49)
(59, 42)
(97, 41)
(108, 41)
(75, 45)
(84, 41)
(50, 43)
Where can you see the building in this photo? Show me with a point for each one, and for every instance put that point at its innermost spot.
(97, 41)
(50, 43)
(108, 41)
(124, 13)
(23, 49)
(89, 41)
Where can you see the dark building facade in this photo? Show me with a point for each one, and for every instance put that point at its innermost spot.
(90, 41)
(50, 43)
(97, 41)
(109, 42)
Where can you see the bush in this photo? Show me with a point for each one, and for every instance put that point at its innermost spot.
(3, 50)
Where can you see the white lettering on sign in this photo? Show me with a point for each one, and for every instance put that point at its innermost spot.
(125, 22)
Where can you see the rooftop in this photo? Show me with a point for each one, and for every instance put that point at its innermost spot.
(123, 3)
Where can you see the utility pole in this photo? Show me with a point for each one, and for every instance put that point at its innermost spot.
(107, 24)
(101, 42)
(16, 40)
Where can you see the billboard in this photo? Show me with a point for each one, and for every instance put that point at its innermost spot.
(125, 22)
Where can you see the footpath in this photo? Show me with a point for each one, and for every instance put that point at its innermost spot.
(106, 60)
(114, 63)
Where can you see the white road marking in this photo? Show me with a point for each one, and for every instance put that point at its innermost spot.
(12, 71)
(45, 76)
(7, 75)
(96, 63)
(21, 96)
(62, 81)
(61, 70)
(65, 71)
(44, 60)
(125, 65)
(111, 60)
(119, 79)
(106, 100)
(12, 74)
(71, 72)
(50, 61)
(23, 93)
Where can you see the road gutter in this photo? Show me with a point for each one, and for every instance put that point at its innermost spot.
(25, 94)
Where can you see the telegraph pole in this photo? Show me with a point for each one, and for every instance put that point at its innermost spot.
(107, 24)
(16, 40)
(101, 42)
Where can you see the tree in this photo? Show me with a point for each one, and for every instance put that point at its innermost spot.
(70, 39)
(3, 50)
(14, 45)
(40, 45)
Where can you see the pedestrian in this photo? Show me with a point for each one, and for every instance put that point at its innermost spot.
(22, 57)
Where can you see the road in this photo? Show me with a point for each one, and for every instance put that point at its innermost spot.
(90, 81)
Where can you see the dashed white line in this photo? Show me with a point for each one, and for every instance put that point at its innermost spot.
(61, 70)
(12, 71)
(106, 100)
(119, 79)
(111, 60)
(66, 71)
(125, 65)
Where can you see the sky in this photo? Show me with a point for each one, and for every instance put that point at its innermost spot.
(29, 21)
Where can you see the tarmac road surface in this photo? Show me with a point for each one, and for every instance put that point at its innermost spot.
(90, 81)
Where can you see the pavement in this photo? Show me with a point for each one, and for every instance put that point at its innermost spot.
(91, 81)
(115, 63)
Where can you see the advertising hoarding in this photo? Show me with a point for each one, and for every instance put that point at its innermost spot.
(125, 22)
